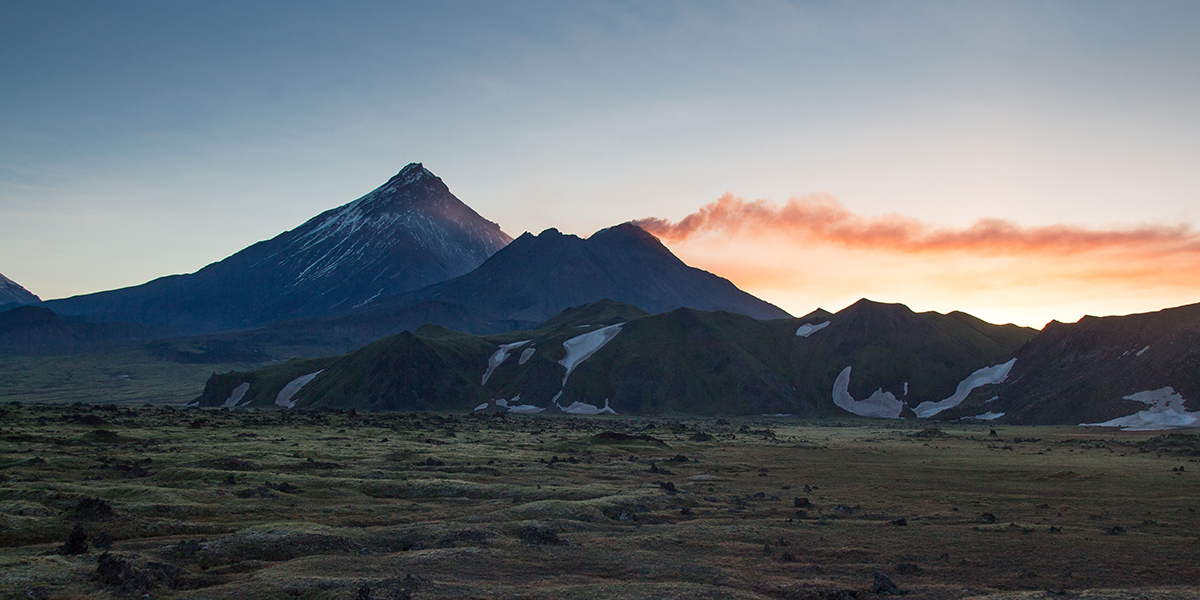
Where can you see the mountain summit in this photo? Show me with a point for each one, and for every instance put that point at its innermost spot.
(406, 234)
(12, 294)
(537, 277)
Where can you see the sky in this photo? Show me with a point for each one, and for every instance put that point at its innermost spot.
(1020, 161)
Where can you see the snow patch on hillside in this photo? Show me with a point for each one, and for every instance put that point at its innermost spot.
(988, 416)
(516, 408)
(525, 408)
(236, 396)
(526, 355)
(582, 347)
(1166, 412)
(284, 398)
(807, 329)
(985, 376)
(499, 357)
(581, 408)
(881, 404)
(1142, 351)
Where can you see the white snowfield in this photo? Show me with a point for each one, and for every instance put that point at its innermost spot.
(526, 355)
(988, 416)
(582, 347)
(1166, 412)
(985, 376)
(807, 329)
(499, 357)
(525, 408)
(881, 404)
(581, 408)
(481, 406)
(236, 396)
(513, 408)
(1142, 351)
(284, 398)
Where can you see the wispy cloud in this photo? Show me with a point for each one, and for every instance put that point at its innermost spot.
(822, 219)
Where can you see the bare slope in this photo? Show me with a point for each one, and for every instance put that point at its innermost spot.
(13, 295)
(404, 235)
(536, 277)
(1083, 372)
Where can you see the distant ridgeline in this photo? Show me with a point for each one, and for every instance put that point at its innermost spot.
(447, 312)
(406, 254)
(869, 359)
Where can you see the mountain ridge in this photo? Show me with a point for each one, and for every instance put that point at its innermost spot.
(12, 294)
(407, 233)
(536, 277)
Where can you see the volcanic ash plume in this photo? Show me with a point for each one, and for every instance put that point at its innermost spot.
(822, 219)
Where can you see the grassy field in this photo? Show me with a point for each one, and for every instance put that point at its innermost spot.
(127, 376)
(266, 504)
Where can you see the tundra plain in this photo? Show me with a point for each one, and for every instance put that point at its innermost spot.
(174, 503)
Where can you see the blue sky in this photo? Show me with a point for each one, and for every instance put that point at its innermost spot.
(144, 139)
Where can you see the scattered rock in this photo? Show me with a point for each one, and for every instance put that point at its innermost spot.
(799, 502)
(540, 535)
(907, 568)
(93, 509)
(901, 521)
(987, 518)
(884, 585)
(76, 541)
(616, 437)
(930, 432)
(117, 573)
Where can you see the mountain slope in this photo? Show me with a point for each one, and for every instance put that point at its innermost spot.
(889, 356)
(404, 235)
(536, 277)
(12, 294)
(1087, 372)
(609, 356)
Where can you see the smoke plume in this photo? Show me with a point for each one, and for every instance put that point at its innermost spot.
(822, 219)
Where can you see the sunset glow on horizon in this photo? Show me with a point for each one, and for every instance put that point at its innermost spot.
(1021, 161)
(813, 252)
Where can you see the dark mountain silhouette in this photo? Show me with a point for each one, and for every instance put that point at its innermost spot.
(406, 234)
(13, 295)
(683, 361)
(536, 277)
(1084, 372)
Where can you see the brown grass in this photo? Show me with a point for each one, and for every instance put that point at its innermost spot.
(326, 505)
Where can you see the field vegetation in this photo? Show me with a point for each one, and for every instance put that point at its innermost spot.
(121, 502)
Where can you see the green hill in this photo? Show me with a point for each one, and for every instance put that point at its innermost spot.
(680, 362)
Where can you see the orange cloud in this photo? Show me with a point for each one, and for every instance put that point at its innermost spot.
(813, 251)
(822, 219)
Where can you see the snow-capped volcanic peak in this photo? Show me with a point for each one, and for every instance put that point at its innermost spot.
(414, 208)
(13, 293)
(404, 235)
